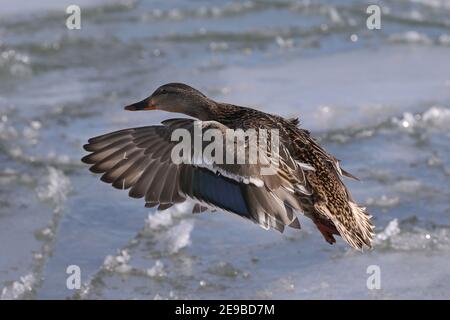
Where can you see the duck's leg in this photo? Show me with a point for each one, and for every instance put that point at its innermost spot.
(327, 229)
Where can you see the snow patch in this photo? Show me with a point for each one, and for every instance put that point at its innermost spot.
(157, 270)
(436, 117)
(118, 263)
(412, 37)
(391, 230)
(179, 236)
(158, 220)
(19, 289)
(56, 190)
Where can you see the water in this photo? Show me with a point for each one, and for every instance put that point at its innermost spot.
(381, 104)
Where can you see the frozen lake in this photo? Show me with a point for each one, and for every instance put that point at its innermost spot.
(380, 104)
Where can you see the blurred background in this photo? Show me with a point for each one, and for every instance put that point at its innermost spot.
(379, 100)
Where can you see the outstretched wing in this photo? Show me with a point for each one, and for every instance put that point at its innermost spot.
(141, 160)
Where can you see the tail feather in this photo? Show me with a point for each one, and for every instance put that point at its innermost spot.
(359, 234)
(353, 225)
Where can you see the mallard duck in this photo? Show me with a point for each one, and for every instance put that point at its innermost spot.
(307, 179)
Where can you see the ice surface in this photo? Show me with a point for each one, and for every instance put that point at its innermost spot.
(158, 219)
(56, 189)
(411, 37)
(380, 104)
(179, 236)
(18, 289)
(435, 118)
(118, 263)
(157, 270)
(391, 229)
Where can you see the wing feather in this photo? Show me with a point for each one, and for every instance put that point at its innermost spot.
(138, 159)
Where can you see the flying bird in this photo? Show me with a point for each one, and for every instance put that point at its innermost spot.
(306, 179)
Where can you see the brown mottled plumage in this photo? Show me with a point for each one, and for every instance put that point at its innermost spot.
(308, 179)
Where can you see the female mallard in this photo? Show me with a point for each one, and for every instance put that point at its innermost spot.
(307, 179)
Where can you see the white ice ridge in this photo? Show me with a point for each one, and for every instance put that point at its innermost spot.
(158, 220)
(56, 190)
(18, 289)
(118, 263)
(179, 236)
(163, 219)
(410, 37)
(173, 234)
(391, 230)
(436, 117)
(157, 270)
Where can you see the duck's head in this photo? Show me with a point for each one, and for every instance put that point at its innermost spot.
(175, 97)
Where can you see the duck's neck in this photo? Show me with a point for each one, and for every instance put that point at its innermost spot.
(207, 110)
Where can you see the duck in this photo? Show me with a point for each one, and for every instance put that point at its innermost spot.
(305, 179)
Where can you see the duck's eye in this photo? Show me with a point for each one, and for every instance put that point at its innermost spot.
(163, 91)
